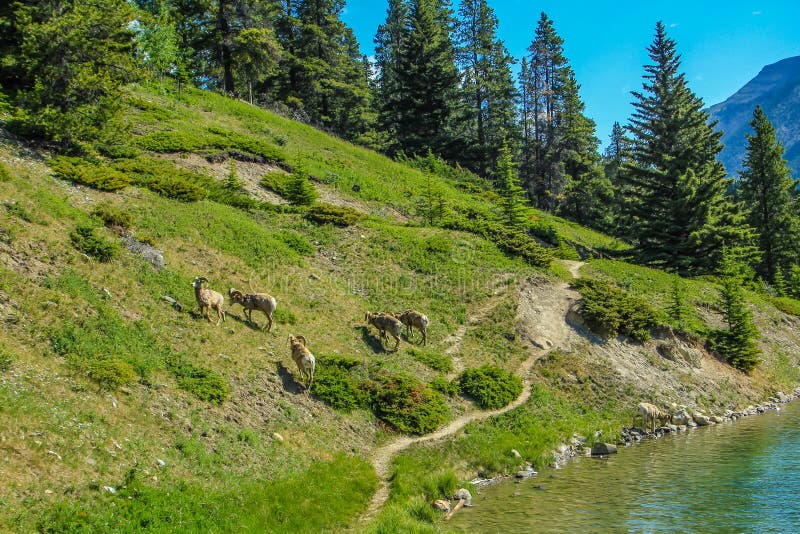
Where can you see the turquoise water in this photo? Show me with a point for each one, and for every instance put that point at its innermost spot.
(742, 476)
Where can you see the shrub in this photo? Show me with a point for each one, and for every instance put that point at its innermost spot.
(203, 383)
(445, 387)
(110, 373)
(334, 385)
(610, 311)
(84, 239)
(165, 179)
(117, 151)
(276, 181)
(170, 141)
(248, 143)
(786, 305)
(329, 214)
(113, 216)
(491, 387)
(407, 404)
(284, 316)
(432, 358)
(81, 171)
(296, 242)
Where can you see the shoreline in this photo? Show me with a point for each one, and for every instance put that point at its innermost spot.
(632, 435)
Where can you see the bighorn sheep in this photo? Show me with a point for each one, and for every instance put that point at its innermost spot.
(385, 322)
(208, 299)
(650, 414)
(305, 361)
(414, 319)
(254, 301)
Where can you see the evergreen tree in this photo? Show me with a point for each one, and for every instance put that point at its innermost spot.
(793, 283)
(322, 71)
(766, 189)
(488, 87)
(423, 110)
(256, 54)
(543, 88)
(679, 213)
(677, 309)
(299, 190)
(512, 196)
(737, 342)
(389, 40)
(66, 63)
(616, 154)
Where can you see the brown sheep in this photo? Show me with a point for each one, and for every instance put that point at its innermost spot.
(650, 414)
(208, 299)
(385, 322)
(414, 319)
(305, 361)
(254, 301)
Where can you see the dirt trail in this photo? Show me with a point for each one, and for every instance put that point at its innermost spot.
(542, 312)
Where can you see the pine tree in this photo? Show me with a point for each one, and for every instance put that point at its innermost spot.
(677, 309)
(488, 87)
(389, 40)
(766, 189)
(322, 70)
(68, 66)
(680, 215)
(427, 81)
(617, 153)
(299, 191)
(512, 196)
(793, 283)
(737, 342)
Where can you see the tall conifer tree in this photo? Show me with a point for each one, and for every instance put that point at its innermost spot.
(488, 87)
(428, 83)
(766, 189)
(681, 217)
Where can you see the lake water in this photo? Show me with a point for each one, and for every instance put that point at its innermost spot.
(742, 476)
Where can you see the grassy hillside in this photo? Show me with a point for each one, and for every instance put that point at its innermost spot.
(122, 412)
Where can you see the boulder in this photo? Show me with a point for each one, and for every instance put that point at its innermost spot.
(602, 449)
(702, 419)
(681, 417)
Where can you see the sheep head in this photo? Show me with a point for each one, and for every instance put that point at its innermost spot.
(198, 282)
(235, 295)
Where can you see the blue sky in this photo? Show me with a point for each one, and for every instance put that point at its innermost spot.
(723, 44)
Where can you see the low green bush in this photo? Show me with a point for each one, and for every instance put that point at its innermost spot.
(164, 178)
(87, 241)
(445, 386)
(611, 311)
(276, 181)
(299, 190)
(490, 386)
(118, 151)
(406, 403)
(296, 242)
(329, 214)
(81, 171)
(204, 383)
(786, 305)
(334, 384)
(284, 316)
(432, 358)
(172, 141)
(511, 241)
(110, 373)
(113, 216)
(250, 144)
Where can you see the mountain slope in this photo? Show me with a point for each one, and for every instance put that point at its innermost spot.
(777, 90)
(120, 412)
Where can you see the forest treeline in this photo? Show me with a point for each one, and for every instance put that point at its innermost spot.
(441, 84)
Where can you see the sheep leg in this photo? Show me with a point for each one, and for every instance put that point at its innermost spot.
(396, 341)
(424, 337)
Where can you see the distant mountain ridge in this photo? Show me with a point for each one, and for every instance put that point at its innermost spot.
(777, 90)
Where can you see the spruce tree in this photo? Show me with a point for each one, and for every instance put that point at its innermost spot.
(737, 342)
(766, 189)
(487, 88)
(512, 196)
(679, 213)
(427, 79)
(67, 66)
(617, 152)
(677, 309)
(299, 190)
